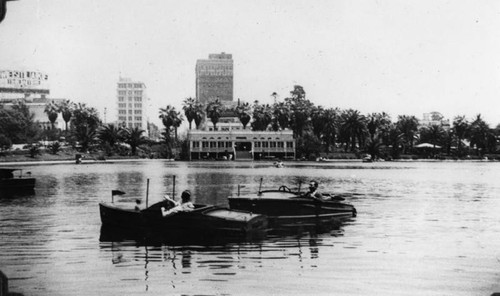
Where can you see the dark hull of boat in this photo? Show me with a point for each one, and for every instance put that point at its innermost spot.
(204, 220)
(286, 208)
(15, 184)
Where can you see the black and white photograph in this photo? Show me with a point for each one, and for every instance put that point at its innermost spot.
(262, 147)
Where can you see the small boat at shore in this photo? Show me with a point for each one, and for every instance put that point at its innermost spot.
(283, 206)
(12, 180)
(204, 220)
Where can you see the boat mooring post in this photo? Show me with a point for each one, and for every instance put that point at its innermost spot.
(260, 187)
(173, 187)
(147, 193)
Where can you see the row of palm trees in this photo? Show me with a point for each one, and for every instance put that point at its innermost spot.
(345, 130)
(87, 129)
(317, 129)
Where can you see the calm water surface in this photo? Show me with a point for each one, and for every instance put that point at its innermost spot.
(421, 229)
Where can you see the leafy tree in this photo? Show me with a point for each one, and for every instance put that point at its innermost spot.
(300, 110)
(18, 125)
(214, 111)
(244, 113)
(308, 146)
(5, 143)
(134, 137)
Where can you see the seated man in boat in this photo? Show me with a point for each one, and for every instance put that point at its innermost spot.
(185, 206)
(313, 191)
(138, 205)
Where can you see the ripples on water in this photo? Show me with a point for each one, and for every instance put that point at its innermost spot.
(422, 229)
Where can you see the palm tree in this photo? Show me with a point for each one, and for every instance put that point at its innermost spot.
(436, 134)
(189, 107)
(318, 121)
(244, 113)
(461, 129)
(199, 114)
(482, 136)
(393, 138)
(377, 123)
(262, 116)
(275, 96)
(281, 116)
(171, 118)
(331, 119)
(66, 108)
(51, 109)
(110, 135)
(214, 112)
(353, 128)
(134, 137)
(408, 127)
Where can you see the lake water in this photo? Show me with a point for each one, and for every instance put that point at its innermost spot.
(422, 229)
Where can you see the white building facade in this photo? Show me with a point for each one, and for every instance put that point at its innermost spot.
(131, 103)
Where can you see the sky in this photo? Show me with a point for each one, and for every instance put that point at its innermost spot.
(400, 57)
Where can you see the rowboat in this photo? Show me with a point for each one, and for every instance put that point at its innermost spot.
(203, 220)
(285, 207)
(11, 183)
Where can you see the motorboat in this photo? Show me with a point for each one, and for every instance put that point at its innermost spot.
(13, 180)
(284, 206)
(203, 220)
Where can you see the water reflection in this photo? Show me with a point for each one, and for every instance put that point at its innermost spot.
(436, 219)
(212, 263)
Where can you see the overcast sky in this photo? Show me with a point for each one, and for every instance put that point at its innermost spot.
(401, 57)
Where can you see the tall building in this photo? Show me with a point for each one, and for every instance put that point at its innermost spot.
(131, 101)
(214, 78)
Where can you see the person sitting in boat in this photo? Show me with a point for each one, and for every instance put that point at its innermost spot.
(137, 205)
(313, 191)
(185, 206)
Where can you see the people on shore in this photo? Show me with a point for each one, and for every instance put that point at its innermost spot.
(185, 206)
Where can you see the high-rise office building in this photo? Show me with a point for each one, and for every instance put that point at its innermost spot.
(214, 78)
(131, 100)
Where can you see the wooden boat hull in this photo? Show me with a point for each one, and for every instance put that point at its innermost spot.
(288, 208)
(17, 183)
(204, 219)
(11, 183)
